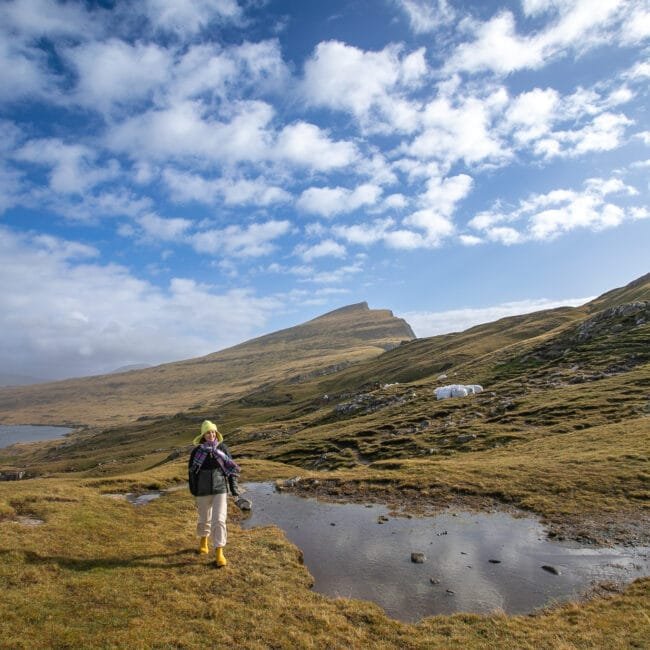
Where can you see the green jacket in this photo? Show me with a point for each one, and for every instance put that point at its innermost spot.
(210, 479)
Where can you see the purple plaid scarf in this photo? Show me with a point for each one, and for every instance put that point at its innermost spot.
(228, 466)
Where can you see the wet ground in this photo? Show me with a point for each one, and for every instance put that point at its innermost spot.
(472, 562)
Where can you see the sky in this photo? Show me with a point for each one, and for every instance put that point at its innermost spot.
(180, 176)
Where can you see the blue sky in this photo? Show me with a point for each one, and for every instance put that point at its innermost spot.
(177, 177)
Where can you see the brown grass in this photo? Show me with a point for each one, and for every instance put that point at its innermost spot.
(102, 573)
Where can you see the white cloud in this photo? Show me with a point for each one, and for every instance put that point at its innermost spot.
(364, 234)
(426, 15)
(384, 230)
(336, 275)
(637, 25)
(402, 239)
(115, 72)
(325, 248)
(638, 213)
(505, 235)
(366, 84)
(395, 201)
(226, 73)
(546, 216)
(253, 240)
(457, 320)
(435, 226)
(23, 71)
(185, 186)
(90, 208)
(460, 131)
(62, 315)
(187, 17)
(185, 130)
(48, 18)
(164, 229)
(644, 136)
(497, 46)
(531, 113)
(470, 240)
(329, 201)
(73, 166)
(307, 145)
(603, 134)
(639, 70)
(442, 194)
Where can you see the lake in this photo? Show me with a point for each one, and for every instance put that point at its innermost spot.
(9, 434)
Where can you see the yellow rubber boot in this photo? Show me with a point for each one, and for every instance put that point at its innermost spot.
(219, 558)
(203, 547)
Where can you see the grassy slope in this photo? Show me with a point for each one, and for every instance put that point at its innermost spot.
(101, 573)
(563, 429)
(339, 338)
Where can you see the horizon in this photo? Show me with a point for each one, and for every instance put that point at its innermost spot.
(178, 179)
(468, 316)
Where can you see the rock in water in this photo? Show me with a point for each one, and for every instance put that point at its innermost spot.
(417, 558)
(243, 503)
(551, 569)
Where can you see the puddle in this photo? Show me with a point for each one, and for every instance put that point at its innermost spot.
(147, 497)
(474, 562)
(135, 499)
(27, 520)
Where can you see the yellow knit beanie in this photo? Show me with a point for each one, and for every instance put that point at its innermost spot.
(205, 427)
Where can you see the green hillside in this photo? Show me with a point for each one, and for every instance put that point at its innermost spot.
(561, 430)
(322, 345)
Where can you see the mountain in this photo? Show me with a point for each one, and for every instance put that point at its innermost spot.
(560, 432)
(550, 371)
(7, 379)
(325, 344)
(132, 366)
(638, 290)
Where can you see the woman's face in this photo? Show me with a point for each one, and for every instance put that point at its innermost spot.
(210, 436)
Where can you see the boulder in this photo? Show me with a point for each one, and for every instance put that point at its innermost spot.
(457, 390)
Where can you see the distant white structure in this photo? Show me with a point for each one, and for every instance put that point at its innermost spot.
(457, 390)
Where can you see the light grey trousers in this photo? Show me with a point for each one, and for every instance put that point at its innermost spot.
(213, 510)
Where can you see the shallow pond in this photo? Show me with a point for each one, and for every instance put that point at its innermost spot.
(474, 562)
(10, 434)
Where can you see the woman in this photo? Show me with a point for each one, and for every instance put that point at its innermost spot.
(212, 473)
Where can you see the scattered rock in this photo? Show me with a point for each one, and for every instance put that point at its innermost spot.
(494, 561)
(417, 558)
(551, 569)
(449, 591)
(29, 520)
(12, 475)
(434, 581)
(382, 519)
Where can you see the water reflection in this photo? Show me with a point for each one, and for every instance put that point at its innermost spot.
(351, 555)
